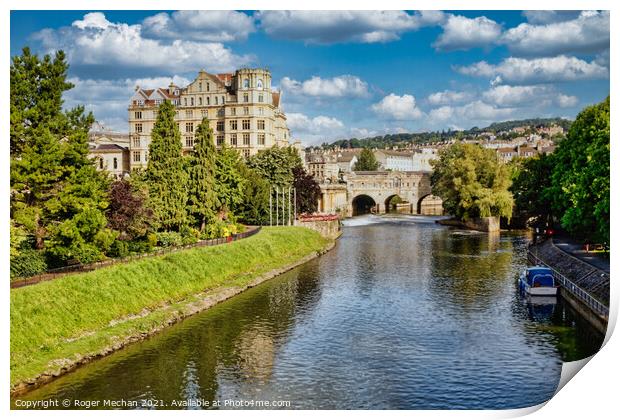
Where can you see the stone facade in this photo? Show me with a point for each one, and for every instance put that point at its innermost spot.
(109, 150)
(243, 111)
(379, 187)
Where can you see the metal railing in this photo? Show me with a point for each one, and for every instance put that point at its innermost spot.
(82, 268)
(590, 301)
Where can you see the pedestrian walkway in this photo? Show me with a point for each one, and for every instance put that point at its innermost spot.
(599, 259)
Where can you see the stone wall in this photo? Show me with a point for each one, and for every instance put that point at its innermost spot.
(483, 224)
(328, 227)
(587, 277)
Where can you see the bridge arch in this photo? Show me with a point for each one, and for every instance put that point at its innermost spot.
(391, 201)
(363, 204)
(430, 205)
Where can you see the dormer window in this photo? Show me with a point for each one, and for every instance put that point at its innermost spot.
(208, 86)
(246, 83)
(176, 92)
(200, 86)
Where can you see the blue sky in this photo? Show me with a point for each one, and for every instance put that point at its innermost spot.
(343, 74)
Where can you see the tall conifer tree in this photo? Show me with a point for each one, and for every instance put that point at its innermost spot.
(165, 174)
(57, 196)
(202, 198)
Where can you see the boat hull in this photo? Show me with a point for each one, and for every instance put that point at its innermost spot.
(538, 291)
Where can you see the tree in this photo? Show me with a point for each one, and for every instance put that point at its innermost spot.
(254, 208)
(202, 197)
(308, 191)
(530, 187)
(57, 196)
(229, 182)
(472, 182)
(580, 180)
(276, 165)
(165, 174)
(127, 212)
(366, 161)
(36, 96)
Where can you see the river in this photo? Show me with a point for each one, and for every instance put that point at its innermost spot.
(403, 313)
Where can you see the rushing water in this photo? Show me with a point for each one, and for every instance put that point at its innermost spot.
(403, 313)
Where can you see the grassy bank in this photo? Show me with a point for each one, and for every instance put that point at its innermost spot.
(55, 323)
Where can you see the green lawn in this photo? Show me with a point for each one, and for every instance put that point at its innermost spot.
(76, 315)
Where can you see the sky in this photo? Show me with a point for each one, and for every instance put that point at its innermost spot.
(342, 73)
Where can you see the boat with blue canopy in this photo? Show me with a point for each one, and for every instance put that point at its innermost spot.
(538, 281)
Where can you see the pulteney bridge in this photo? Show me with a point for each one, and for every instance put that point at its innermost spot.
(375, 192)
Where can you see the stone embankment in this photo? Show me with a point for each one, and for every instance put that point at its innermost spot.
(482, 224)
(586, 288)
(328, 225)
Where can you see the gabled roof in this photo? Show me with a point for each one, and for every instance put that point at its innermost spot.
(108, 148)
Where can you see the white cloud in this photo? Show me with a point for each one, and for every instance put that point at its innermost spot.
(396, 107)
(473, 112)
(95, 41)
(321, 124)
(566, 101)
(505, 95)
(522, 96)
(537, 70)
(587, 33)
(447, 97)
(462, 33)
(200, 25)
(330, 26)
(340, 86)
(443, 113)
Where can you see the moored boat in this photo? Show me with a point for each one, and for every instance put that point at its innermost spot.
(538, 281)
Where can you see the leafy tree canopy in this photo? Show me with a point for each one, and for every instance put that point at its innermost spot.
(276, 165)
(472, 182)
(580, 179)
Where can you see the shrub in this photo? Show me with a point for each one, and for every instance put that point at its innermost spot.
(151, 239)
(189, 235)
(167, 239)
(119, 249)
(28, 263)
(220, 229)
(141, 247)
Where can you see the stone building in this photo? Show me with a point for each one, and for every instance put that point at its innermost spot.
(243, 111)
(109, 149)
(394, 160)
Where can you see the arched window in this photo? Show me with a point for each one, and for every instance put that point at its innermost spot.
(192, 100)
(115, 163)
(100, 163)
(246, 83)
(259, 84)
(200, 100)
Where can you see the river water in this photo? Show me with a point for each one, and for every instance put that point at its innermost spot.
(403, 313)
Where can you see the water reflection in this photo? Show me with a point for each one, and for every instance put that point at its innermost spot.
(401, 314)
